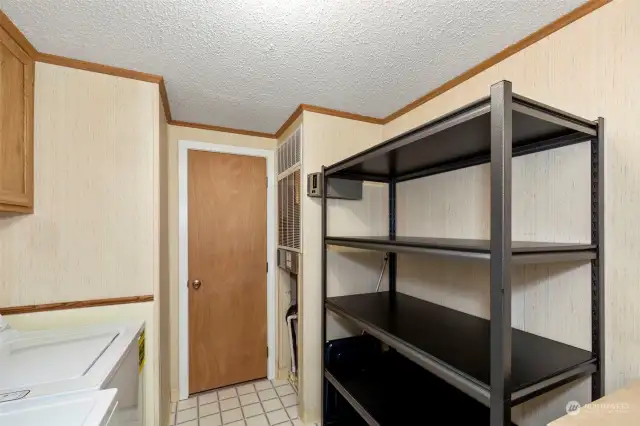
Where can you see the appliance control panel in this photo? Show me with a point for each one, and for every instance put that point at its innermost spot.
(12, 396)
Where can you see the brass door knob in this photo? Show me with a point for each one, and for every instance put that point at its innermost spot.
(196, 284)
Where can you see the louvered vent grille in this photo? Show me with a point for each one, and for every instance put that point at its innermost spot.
(289, 210)
(289, 192)
(289, 152)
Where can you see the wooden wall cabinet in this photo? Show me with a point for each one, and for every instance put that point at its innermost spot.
(16, 127)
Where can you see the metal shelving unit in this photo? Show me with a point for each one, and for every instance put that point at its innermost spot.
(471, 360)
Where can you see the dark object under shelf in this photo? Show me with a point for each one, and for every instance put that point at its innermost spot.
(455, 346)
(387, 389)
(522, 251)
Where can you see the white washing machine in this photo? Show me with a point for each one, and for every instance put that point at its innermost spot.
(39, 363)
(87, 408)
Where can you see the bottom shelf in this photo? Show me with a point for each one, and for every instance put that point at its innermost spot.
(391, 390)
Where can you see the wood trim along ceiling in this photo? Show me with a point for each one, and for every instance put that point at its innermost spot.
(221, 129)
(99, 68)
(29, 309)
(511, 50)
(17, 35)
(563, 21)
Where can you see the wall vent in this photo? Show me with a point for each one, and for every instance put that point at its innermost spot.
(289, 155)
(289, 152)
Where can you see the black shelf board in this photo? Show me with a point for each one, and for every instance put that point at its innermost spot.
(395, 391)
(456, 347)
(462, 139)
(522, 251)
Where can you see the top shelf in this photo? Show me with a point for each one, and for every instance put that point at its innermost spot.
(461, 139)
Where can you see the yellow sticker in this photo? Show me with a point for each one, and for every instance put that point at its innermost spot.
(141, 352)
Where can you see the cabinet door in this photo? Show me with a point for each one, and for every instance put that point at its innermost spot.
(16, 127)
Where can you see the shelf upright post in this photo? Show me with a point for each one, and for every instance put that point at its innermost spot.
(323, 296)
(597, 264)
(500, 293)
(393, 257)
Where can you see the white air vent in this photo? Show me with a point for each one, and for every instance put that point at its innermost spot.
(289, 211)
(289, 192)
(289, 153)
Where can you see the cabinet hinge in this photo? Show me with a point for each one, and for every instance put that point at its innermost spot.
(267, 267)
(267, 351)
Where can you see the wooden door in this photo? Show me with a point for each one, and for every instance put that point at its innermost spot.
(16, 127)
(228, 256)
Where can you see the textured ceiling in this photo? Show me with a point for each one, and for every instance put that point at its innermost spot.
(249, 63)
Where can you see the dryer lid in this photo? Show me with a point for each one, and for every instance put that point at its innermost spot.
(92, 408)
(32, 359)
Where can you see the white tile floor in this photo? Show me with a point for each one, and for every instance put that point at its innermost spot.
(260, 403)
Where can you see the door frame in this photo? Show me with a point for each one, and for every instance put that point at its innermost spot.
(184, 146)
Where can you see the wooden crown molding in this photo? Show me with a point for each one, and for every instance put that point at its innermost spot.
(511, 50)
(164, 98)
(29, 309)
(326, 111)
(17, 35)
(221, 129)
(99, 68)
(563, 21)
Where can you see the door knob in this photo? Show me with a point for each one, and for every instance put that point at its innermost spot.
(196, 284)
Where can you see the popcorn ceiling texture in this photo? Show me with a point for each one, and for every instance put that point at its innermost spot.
(248, 64)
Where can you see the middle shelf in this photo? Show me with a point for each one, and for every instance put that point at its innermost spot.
(456, 346)
(522, 251)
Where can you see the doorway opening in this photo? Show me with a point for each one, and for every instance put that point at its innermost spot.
(226, 265)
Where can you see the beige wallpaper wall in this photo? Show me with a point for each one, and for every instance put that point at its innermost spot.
(95, 230)
(175, 134)
(326, 139)
(589, 68)
(92, 234)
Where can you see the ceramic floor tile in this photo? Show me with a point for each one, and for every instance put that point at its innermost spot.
(258, 421)
(298, 422)
(289, 400)
(271, 405)
(252, 410)
(278, 382)
(267, 394)
(245, 389)
(277, 416)
(231, 416)
(187, 403)
(238, 423)
(293, 412)
(186, 415)
(190, 423)
(213, 420)
(285, 390)
(250, 398)
(209, 409)
(227, 393)
(262, 385)
(287, 423)
(229, 404)
(208, 398)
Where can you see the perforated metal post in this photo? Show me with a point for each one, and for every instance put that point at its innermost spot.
(323, 297)
(501, 144)
(393, 257)
(597, 264)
